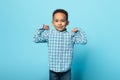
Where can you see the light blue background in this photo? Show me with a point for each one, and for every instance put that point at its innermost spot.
(22, 59)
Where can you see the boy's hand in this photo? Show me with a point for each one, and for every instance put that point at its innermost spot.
(74, 30)
(46, 27)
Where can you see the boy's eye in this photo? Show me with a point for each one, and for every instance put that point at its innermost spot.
(63, 20)
(56, 20)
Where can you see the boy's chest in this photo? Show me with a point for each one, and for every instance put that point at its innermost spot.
(60, 38)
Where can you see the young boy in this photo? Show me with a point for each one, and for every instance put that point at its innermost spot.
(60, 44)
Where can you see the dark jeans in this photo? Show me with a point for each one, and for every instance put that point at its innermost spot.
(60, 75)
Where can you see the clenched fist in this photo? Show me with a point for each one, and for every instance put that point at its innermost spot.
(46, 27)
(74, 30)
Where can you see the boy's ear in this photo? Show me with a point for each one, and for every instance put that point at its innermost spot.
(52, 22)
(67, 22)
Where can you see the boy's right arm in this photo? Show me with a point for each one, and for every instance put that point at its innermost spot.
(41, 35)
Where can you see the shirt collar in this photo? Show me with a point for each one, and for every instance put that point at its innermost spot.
(65, 30)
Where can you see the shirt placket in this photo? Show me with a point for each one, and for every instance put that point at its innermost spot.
(61, 48)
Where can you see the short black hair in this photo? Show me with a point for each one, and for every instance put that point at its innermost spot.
(62, 11)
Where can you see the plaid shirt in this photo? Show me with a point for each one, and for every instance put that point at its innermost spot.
(60, 45)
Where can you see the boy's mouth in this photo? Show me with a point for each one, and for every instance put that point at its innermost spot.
(60, 27)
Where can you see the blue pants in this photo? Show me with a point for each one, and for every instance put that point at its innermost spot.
(60, 75)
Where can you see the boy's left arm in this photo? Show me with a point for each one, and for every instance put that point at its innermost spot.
(79, 36)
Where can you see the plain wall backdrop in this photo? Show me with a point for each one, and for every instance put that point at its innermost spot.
(22, 59)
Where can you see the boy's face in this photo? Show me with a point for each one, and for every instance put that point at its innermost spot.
(59, 21)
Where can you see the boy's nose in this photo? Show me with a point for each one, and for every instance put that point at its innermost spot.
(59, 23)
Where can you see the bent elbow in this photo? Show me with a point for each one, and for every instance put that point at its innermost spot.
(84, 42)
(36, 41)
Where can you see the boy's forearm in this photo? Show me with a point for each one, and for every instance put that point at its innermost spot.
(80, 37)
(83, 37)
(37, 35)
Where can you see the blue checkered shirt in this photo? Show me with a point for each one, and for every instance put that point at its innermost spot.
(60, 46)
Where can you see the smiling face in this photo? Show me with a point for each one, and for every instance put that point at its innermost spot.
(59, 21)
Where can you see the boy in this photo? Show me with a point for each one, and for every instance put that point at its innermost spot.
(60, 44)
